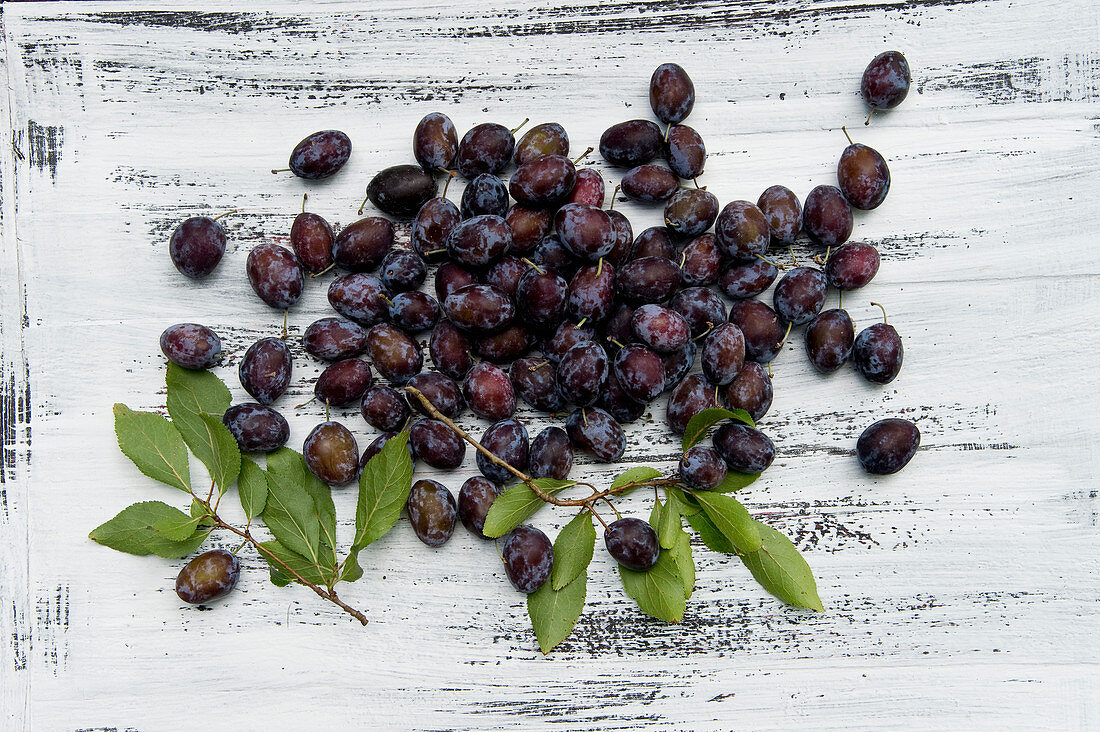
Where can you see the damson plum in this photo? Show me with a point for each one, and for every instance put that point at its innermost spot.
(548, 138)
(208, 577)
(887, 446)
(413, 311)
(616, 329)
(432, 512)
(191, 345)
(431, 228)
(723, 354)
(489, 392)
(196, 246)
(551, 254)
(529, 226)
(702, 468)
(852, 266)
(800, 294)
(686, 152)
(528, 558)
(437, 444)
(701, 261)
(885, 81)
(450, 278)
(334, 339)
(653, 242)
(505, 346)
(311, 237)
(343, 382)
(742, 231)
(536, 383)
(331, 454)
(623, 236)
(591, 293)
(863, 176)
(877, 353)
(450, 350)
(745, 449)
(376, 446)
(486, 148)
(565, 337)
(540, 298)
(584, 230)
(479, 241)
(690, 212)
(401, 190)
(633, 543)
(751, 390)
(505, 275)
(551, 454)
(507, 440)
(829, 339)
(661, 329)
(440, 390)
(640, 372)
(485, 194)
(361, 246)
(671, 93)
(741, 281)
(647, 280)
(678, 363)
(543, 182)
(693, 395)
(633, 143)
(589, 189)
(617, 403)
(593, 429)
(359, 297)
(827, 217)
(396, 356)
(763, 331)
(435, 141)
(650, 183)
(700, 307)
(384, 408)
(402, 270)
(320, 155)
(474, 500)
(479, 308)
(582, 372)
(265, 369)
(256, 428)
(275, 274)
(783, 212)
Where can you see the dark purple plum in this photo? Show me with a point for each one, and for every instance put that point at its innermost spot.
(437, 444)
(623, 236)
(763, 330)
(331, 454)
(647, 280)
(402, 270)
(686, 152)
(616, 329)
(751, 390)
(196, 246)
(852, 266)
(551, 454)
(362, 245)
(660, 328)
(505, 346)
(343, 382)
(582, 372)
(320, 155)
(376, 446)
(311, 237)
(543, 182)
(591, 293)
(584, 230)
(863, 176)
(827, 217)
(723, 354)
(334, 339)
(265, 369)
(485, 195)
(639, 372)
(741, 281)
(479, 309)
(593, 429)
(653, 242)
(702, 468)
(360, 297)
(450, 278)
(887, 446)
(486, 148)
(742, 231)
(256, 428)
(432, 511)
(565, 337)
(632, 143)
(650, 183)
(536, 383)
(885, 81)
(548, 138)
(450, 350)
(208, 577)
(529, 226)
(878, 353)
(701, 261)
(540, 298)
(489, 392)
(552, 255)
(506, 273)
(700, 307)
(784, 213)
(528, 558)
(633, 543)
(800, 294)
(431, 228)
(678, 363)
(191, 345)
(440, 389)
(401, 190)
(435, 141)
(396, 356)
(671, 93)
(829, 339)
(690, 212)
(691, 396)
(479, 241)
(413, 311)
(384, 408)
(507, 440)
(617, 403)
(474, 500)
(745, 449)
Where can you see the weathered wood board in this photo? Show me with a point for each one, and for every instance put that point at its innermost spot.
(960, 593)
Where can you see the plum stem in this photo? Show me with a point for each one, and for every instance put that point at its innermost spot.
(845, 131)
(883, 312)
(326, 269)
(304, 197)
(519, 127)
(583, 155)
(614, 193)
(868, 120)
(451, 176)
(362, 206)
(529, 263)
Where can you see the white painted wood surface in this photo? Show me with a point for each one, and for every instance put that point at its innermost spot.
(961, 593)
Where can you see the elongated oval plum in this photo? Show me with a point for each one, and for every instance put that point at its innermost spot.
(701, 307)
(196, 246)
(593, 429)
(540, 298)
(489, 393)
(647, 280)
(191, 345)
(484, 195)
(360, 297)
(384, 408)
(535, 382)
(742, 231)
(479, 241)
(589, 188)
(331, 454)
(800, 294)
(584, 230)
(632, 143)
(528, 558)
(507, 439)
(402, 270)
(827, 217)
(343, 382)
(437, 444)
(548, 138)
(334, 339)
(431, 228)
(401, 190)
(863, 176)
(582, 372)
(486, 148)
(745, 449)
(650, 183)
(479, 309)
(878, 353)
(686, 152)
(852, 266)
(783, 212)
(751, 390)
(396, 356)
(312, 238)
(742, 280)
(551, 454)
(887, 446)
(440, 390)
(829, 340)
(591, 293)
(691, 211)
(208, 577)
(505, 346)
(671, 93)
(413, 311)
(435, 141)
(762, 328)
(723, 354)
(702, 468)
(529, 226)
(450, 350)
(475, 498)
(885, 81)
(660, 328)
(362, 245)
(543, 182)
(256, 428)
(265, 369)
(693, 395)
(640, 372)
(432, 511)
(320, 154)
(633, 543)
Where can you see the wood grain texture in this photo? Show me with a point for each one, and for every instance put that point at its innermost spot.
(960, 593)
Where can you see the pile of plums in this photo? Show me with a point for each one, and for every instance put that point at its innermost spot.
(537, 264)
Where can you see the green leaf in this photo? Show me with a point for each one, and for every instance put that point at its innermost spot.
(154, 445)
(780, 569)
(635, 475)
(659, 591)
(573, 550)
(699, 424)
(177, 528)
(196, 402)
(735, 482)
(350, 569)
(685, 504)
(322, 502)
(685, 564)
(668, 525)
(317, 573)
(252, 487)
(517, 504)
(384, 488)
(132, 531)
(709, 533)
(732, 519)
(197, 509)
(554, 612)
(290, 512)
